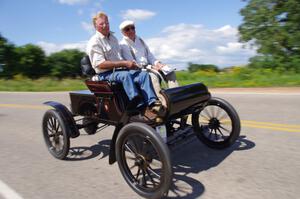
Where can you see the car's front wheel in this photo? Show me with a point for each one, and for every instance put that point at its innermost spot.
(55, 134)
(217, 125)
(144, 160)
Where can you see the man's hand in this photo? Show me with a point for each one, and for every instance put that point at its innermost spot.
(158, 66)
(130, 64)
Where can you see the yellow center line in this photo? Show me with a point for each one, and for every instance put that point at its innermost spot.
(271, 127)
(264, 125)
(270, 124)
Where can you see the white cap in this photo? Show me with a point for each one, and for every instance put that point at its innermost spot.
(125, 24)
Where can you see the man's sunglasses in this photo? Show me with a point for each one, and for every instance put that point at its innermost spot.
(128, 28)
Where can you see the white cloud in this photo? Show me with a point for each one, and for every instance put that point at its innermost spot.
(184, 43)
(227, 31)
(137, 14)
(73, 2)
(231, 47)
(52, 47)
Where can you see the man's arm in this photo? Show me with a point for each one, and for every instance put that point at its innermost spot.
(157, 65)
(115, 64)
(98, 59)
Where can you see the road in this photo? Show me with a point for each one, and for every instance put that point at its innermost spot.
(263, 164)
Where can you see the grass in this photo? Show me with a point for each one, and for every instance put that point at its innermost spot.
(236, 77)
(42, 84)
(241, 77)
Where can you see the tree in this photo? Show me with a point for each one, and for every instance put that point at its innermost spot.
(208, 67)
(31, 61)
(65, 63)
(8, 59)
(273, 26)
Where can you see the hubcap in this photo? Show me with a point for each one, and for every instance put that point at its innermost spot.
(139, 161)
(214, 123)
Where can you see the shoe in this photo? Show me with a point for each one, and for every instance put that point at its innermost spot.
(152, 115)
(158, 108)
(140, 118)
(149, 113)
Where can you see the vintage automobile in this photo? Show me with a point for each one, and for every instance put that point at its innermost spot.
(140, 149)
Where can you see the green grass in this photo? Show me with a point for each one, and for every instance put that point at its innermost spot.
(236, 77)
(241, 77)
(42, 84)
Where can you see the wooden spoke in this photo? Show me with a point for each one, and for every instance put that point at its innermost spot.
(152, 171)
(220, 132)
(216, 135)
(152, 180)
(207, 113)
(224, 129)
(131, 150)
(138, 174)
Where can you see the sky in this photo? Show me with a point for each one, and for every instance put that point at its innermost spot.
(177, 31)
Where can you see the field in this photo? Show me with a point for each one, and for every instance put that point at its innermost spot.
(236, 77)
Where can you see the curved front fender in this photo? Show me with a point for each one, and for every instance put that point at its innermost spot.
(67, 116)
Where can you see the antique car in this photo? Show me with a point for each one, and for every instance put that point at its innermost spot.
(141, 150)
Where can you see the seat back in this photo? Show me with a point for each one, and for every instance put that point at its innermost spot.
(86, 67)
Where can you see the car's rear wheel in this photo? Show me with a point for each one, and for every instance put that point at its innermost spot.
(55, 134)
(217, 125)
(144, 160)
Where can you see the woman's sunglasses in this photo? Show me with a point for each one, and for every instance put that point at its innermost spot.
(128, 28)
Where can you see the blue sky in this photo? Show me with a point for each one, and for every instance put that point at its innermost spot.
(177, 31)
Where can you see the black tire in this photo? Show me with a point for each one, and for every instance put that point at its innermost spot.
(91, 128)
(144, 160)
(55, 134)
(217, 125)
(89, 112)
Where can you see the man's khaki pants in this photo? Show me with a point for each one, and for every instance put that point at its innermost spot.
(171, 80)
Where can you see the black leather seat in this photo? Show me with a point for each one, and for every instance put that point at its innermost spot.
(86, 67)
(103, 87)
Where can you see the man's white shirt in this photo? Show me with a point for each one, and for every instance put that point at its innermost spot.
(143, 56)
(101, 48)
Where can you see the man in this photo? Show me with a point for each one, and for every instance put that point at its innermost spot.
(134, 48)
(104, 53)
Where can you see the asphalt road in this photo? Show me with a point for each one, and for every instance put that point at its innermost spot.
(263, 164)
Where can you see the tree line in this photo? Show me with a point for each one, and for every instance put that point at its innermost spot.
(31, 61)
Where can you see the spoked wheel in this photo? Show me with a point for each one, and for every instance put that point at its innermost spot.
(144, 160)
(217, 125)
(88, 119)
(55, 134)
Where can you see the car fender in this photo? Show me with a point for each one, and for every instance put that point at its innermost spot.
(67, 117)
